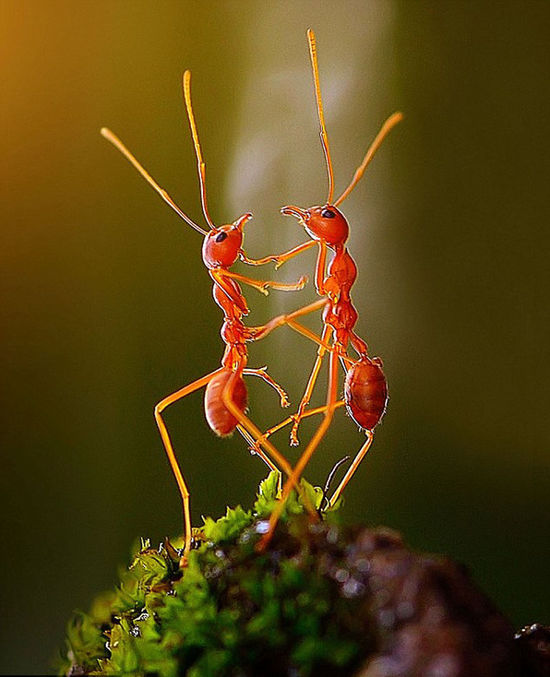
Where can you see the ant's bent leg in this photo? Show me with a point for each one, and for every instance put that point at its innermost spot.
(253, 432)
(309, 388)
(182, 486)
(312, 336)
(353, 467)
(290, 419)
(257, 333)
(278, 259)
(264, 285)
(293, 480)
(262, 373)
(257, 451)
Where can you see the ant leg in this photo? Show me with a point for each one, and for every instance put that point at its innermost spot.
(182, 486)
(257, 333)
(259, 452)
(353, 467)
(278, 259)
(262, 373)
(293, 480)
(304, 331)
(309, 388)
(345, 360)
(251, 429)
(263, 285)
(289, 320)
(290, 419)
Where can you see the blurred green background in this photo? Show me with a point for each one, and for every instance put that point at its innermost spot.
(107, 308)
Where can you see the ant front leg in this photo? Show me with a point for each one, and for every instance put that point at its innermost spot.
(278, 259)
(182, 486)
(264, 285)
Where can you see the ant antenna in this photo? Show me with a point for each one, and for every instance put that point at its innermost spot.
(198, 152)
(117, 143)
(375, 145)
(323, 130)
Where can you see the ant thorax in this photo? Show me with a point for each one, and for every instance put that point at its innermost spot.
(230, 299)
(342, 273)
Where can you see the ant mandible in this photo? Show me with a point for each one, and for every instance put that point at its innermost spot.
(226, 397)
(365, 388)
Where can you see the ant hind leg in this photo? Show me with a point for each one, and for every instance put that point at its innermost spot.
(293, 480)
(353, 467)
(251, 429)
(182, 486)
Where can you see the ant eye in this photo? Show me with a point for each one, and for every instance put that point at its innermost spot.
(221, 237)
(328, 214)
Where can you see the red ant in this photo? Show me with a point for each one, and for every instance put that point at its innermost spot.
(225, 398)
(365, 388)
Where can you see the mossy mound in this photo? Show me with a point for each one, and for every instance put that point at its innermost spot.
(321, 600)
(230, 611)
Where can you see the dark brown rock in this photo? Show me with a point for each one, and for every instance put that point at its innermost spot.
(533, 642)
(430, 619)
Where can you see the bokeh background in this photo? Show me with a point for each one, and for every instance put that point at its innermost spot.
(107, 307)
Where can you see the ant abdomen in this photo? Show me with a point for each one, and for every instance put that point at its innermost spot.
(366, 393)
(219, 418)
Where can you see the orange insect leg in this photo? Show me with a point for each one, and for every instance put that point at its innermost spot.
(182, 486)
(262, 373)
(293, 480)
(353, 467)
(290, 419)
(259, 452)
(249, 426)
(278, 259)
(309, 388)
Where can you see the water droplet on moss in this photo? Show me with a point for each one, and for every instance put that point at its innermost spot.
(362, 565)
(352, 588)
(332, 535)
(262, 527)
(341, 575)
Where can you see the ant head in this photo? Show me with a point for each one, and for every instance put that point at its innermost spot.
(322, 223)
(222, 245)
(326, 222)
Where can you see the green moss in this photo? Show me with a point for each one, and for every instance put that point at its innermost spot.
(231, 611)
